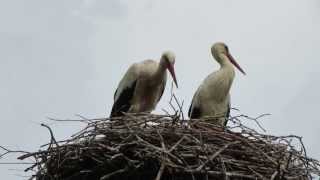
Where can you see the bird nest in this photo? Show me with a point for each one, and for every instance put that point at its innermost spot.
(163, 147)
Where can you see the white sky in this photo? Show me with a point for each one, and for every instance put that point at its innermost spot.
(65, 57)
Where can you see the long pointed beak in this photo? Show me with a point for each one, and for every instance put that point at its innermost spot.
(173, 74)
(234, 62)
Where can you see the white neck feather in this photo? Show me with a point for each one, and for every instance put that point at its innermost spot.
(225, 76)
(224, 61)
(161, 71)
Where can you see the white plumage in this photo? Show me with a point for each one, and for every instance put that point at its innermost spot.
(212, 99)
(142, 86)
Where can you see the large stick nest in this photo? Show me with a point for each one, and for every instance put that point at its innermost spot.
(146, 147)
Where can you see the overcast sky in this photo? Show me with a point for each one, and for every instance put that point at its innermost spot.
(65, 57)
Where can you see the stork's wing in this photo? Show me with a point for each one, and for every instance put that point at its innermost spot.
(163, 85)
(125, 92)
(227, 114)
(194, 109)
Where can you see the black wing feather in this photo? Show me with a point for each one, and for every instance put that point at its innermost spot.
(122, 104)
(227, 115)
(162, 90)
(194, 111)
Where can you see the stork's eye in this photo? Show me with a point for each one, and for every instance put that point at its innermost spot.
(227, 49)
(166, 59)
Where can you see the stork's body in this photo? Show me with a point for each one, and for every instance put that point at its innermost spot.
(142, 86)
(212, 99)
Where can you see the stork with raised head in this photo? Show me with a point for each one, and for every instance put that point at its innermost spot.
(212, 99)
(142, 86)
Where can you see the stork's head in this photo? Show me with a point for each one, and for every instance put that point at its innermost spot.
(168, 59)
(220, 50)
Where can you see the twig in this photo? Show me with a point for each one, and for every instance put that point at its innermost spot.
(216, 154)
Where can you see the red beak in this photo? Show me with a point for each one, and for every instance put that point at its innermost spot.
(235, 63)
(173, 74)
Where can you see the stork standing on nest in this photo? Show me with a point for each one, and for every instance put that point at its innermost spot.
(142, 86)
(212, 99)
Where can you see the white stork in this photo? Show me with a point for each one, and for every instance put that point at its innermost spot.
(142, 86)
(212, 99)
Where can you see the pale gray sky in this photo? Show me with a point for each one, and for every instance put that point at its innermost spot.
(65, 57)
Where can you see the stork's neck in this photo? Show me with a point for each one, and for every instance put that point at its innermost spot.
(162, 66)
(161, 71)
(226, 71)
(223, 78)
(225, 63)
